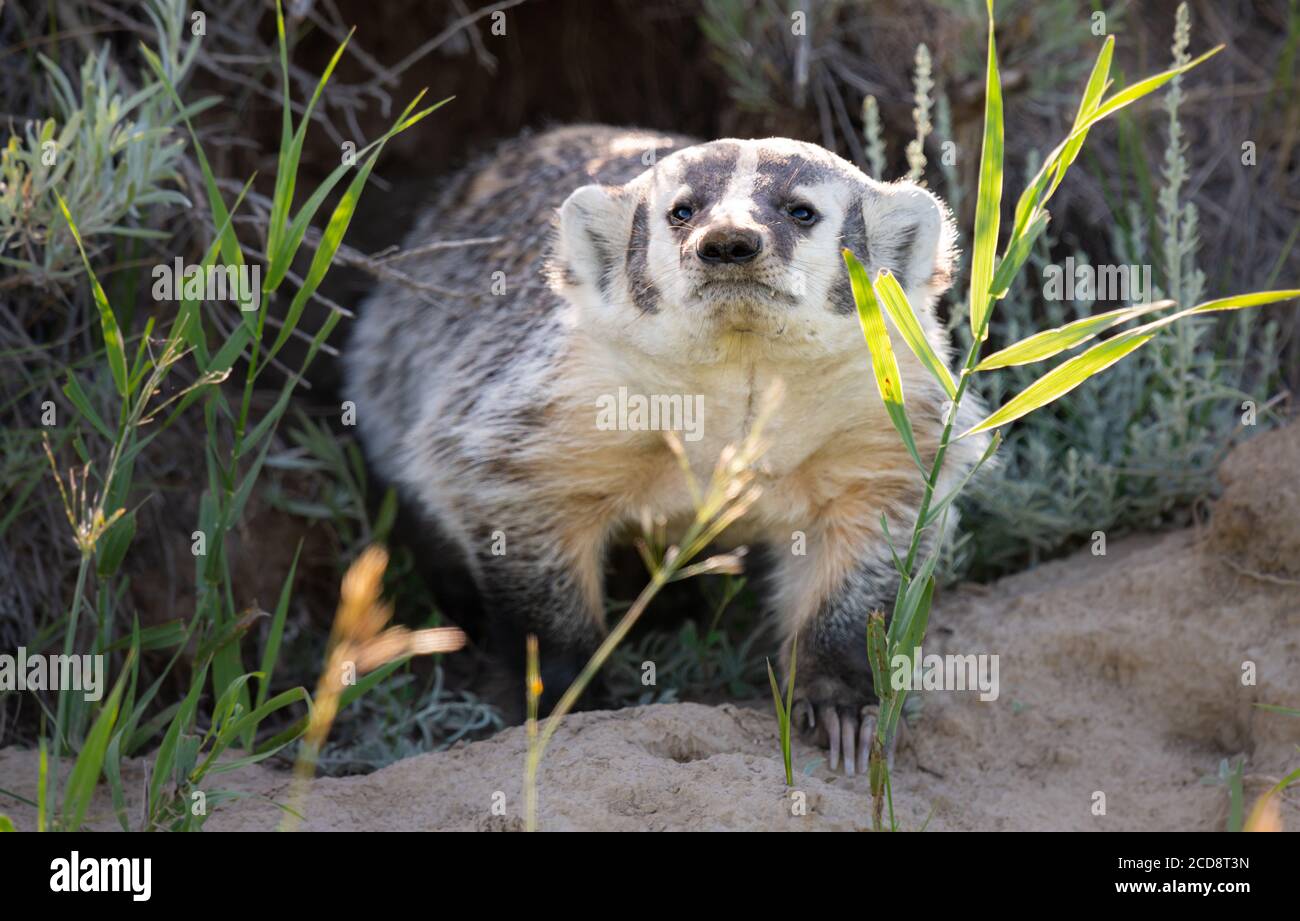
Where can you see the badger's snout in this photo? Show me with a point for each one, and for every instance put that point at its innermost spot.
(728, 243)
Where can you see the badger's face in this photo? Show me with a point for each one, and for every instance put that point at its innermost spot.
(738, 243)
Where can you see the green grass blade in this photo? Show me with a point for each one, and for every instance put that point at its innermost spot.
(988, 206)
(883, 363)
(332, 238)
(289, 245)
(247, 723)
(271, 652)
(113, 774)
(877, 656)
(230, 248)
(1053, 341)
(919, 617)
(165, 758)
(783, 710)
(908, 608)
(90, 761)
(113, 343)
(286, 135)
(789, 690)
(1236, 797)
(1062, 379)
(1234, 302)
(286, 177)
(1098, 80)
(938, 508)
(1132, 94)
(891, 295)
(72, 389)
(1017, 252)
(42, 786)
(1033, 198)
(1287, 781)
(777, 701)
(189, 323)
(1238, 301)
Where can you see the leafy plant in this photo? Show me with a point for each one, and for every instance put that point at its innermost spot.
(236, 449)
(1136, 448)
(990, 281)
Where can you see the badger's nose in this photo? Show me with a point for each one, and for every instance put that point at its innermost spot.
(729, 243)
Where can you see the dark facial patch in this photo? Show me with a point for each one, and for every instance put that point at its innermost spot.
(853, 234)
(706, 175)
(644, 293)
(776, 175)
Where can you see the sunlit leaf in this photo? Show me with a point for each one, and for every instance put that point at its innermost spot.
(988, 205)
(1050, 342)
(1061, 380)
(883, 363)
(900, 310)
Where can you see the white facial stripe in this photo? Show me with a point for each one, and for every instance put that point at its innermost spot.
(739, 198)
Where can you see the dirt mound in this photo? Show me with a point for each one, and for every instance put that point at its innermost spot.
(1130, 674)
(1256, 525)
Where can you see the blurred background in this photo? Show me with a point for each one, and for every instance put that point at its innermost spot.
(1201, 182)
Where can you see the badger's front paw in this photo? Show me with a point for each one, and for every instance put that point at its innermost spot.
(839, 717)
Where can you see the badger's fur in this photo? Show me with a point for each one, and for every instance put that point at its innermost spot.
(663, 266)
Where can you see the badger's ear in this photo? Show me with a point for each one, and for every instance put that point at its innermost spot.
(595, 226)
(911, 233)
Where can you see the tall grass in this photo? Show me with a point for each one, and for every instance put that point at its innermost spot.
(990, 281)
(195, 740)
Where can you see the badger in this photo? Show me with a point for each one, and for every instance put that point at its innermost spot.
(630, 262)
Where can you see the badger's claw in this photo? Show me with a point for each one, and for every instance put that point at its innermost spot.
(846, 733)
(867, 730)
(804, 716)
(849, 735)
(831, 721)
(839, 733)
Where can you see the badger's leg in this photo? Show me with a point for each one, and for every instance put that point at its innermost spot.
(535, 582)
(825, 598)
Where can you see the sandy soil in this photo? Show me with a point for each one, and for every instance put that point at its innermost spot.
(1120, 674)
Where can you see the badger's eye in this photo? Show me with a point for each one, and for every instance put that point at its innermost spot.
(681, 214)
(802, 213)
